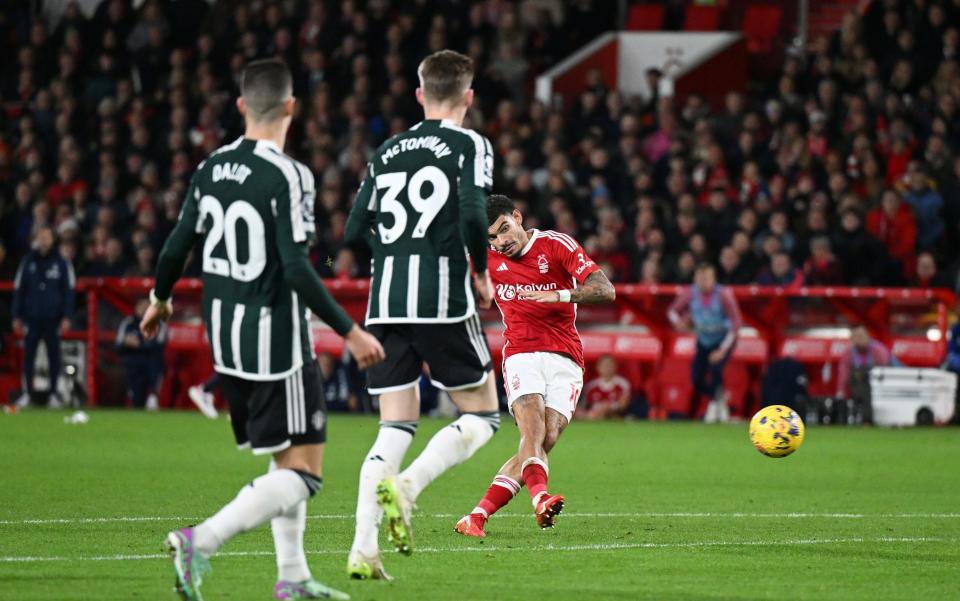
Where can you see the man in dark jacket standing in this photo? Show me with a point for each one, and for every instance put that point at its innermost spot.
(142, 358)
(42, 305)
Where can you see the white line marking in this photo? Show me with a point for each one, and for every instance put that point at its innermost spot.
(532, 549)
(350, 516)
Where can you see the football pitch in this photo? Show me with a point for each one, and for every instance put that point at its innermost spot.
(654, 511)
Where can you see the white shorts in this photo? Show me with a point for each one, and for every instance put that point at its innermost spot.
(553, 376)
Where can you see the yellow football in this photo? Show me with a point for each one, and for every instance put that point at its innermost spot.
(776, 431)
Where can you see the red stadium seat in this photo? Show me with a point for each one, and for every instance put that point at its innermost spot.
(753, 351)
(701, 18)
(761, 25)
(186, 336)
(820, 356)
(917, 352)
(737, 382)
(326, 340)
(674, 388)
(741, 378)
(645, 17)
(684, 346)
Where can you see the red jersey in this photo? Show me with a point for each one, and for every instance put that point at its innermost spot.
(600, 392)
(549, 261)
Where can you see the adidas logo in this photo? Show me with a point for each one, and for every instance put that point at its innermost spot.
(503, 267)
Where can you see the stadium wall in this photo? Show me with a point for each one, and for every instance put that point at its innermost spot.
(710, 64)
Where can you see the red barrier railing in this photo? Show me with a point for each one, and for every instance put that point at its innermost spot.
(634, 328)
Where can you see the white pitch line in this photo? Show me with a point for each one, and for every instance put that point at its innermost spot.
(350, 516)
(533, 549)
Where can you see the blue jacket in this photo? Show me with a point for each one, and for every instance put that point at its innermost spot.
(146, 348)
(926, 207)
(44, 288)
(953, 349)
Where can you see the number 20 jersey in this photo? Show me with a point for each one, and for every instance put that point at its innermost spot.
(418, 184)
(550, 261)
(253, 205)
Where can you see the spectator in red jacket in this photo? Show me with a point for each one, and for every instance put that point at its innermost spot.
(607, 395)
(63, 189)
(894, 224)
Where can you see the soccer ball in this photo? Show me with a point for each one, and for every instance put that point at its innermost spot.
(776, 431)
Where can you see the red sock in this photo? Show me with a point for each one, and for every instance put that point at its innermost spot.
(499, 494)
(535, 477)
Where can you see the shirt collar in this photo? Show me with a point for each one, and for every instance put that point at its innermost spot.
(533, 236)
(269, 144)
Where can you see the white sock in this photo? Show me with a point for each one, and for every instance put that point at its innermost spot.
(382, 461)
(448, 447)
(288, 530)
(288, 541)
(275, 493)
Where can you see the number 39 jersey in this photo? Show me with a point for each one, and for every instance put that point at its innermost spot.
(254, 207)
(419, 186)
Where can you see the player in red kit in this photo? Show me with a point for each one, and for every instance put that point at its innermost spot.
(538, 277)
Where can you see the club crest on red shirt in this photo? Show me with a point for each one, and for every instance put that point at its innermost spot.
(542, 264)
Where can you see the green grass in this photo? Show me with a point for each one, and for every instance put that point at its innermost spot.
(900, 538)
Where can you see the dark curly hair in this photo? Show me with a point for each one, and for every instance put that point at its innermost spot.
(497, 205)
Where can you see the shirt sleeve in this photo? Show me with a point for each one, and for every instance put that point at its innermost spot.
(69, 287)
(180, 242)
(882, 356)
(120, 342)
(363, 214)
(732, 309)
(291, 239)
(308, 200)
(953, 349)
(475, 183)
(17, 308)
(572, 256)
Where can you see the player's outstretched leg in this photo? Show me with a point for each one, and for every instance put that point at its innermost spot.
(382, 461)
(268, 496)
(529, 411)
(500, 492)
(278, 493)
(530, 414)
(449, 447)
(507, 484)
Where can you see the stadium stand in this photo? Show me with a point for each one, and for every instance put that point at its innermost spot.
(104, 116)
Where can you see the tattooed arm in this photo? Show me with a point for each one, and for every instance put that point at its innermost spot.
(595, 290)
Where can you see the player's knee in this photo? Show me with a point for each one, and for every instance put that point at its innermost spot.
(306, 459)
(298, 464)
(528, 403)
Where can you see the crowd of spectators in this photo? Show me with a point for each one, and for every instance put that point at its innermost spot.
(843, 169)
